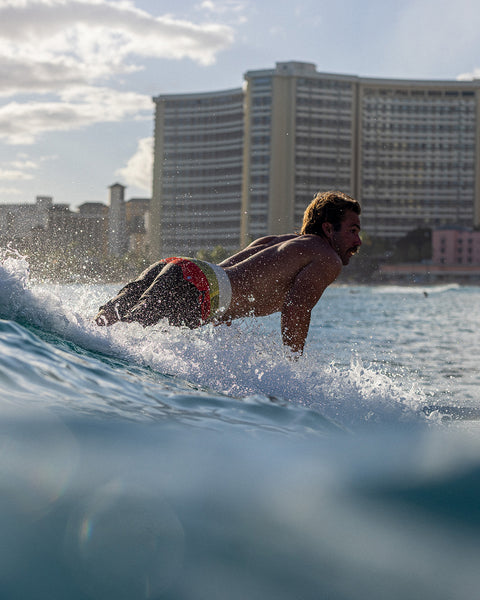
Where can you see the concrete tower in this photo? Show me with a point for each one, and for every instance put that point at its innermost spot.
(117, 229)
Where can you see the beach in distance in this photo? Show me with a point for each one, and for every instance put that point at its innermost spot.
(192, 464)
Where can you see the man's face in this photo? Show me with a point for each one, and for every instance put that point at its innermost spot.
(346, 241)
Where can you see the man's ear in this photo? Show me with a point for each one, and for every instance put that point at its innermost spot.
(327, 229)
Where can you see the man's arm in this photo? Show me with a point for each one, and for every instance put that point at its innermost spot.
(306, 291)
(295, 325)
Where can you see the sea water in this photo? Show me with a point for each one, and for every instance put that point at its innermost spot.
(168, 463)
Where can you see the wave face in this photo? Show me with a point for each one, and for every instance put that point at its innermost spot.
(163, 463)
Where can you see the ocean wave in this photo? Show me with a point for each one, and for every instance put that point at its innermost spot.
(245, 360)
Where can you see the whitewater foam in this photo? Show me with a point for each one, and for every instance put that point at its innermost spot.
(242, 360)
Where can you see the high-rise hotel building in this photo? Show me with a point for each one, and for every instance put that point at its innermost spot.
(197, 172)
(233, 165)
(300, 134)
(418, 155)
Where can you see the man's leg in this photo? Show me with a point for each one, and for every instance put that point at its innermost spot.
(116, 308)
(169, 296)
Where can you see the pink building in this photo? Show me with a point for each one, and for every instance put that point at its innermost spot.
(455, 247)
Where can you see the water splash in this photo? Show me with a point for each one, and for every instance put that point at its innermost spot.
(244, 360)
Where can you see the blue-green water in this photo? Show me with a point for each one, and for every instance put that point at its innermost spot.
(161, 463)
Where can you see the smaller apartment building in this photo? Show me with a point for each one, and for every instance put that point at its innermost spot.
(456, 247)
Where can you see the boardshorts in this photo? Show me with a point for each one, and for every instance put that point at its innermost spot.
(185, 291)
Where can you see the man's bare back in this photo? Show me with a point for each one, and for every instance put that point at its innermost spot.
(286, 273)
(263, 274)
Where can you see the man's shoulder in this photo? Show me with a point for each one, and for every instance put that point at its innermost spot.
(294, 252)
(317, 254)
(271, 240)
(314, 244)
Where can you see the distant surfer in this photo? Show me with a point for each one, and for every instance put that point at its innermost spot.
(279, 273)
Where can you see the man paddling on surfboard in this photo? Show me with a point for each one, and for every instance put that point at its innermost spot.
(279, 273)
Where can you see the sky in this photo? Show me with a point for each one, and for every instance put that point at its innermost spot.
(77, 77)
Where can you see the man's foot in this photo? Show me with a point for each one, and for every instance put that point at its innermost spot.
(107, 315)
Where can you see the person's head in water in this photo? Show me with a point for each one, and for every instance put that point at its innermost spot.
(327, 207)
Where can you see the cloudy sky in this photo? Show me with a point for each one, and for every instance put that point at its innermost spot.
(77, 76)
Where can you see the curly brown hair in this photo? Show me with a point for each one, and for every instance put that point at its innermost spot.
(327, 207)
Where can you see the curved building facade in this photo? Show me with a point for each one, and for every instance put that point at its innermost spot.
(418, 155)
(197, 180)
(233, 165)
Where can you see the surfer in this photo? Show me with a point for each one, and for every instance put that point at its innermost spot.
(278, 273)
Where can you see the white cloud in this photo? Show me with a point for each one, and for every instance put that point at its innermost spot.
(22, 123)
(35, 76)
(475, 74)
(224, 6)
(18, 169)
(14, 175)
(231, 10)
(22, 164)
(48, 45)
(65, 48)
(138, 171)
(11, 191)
